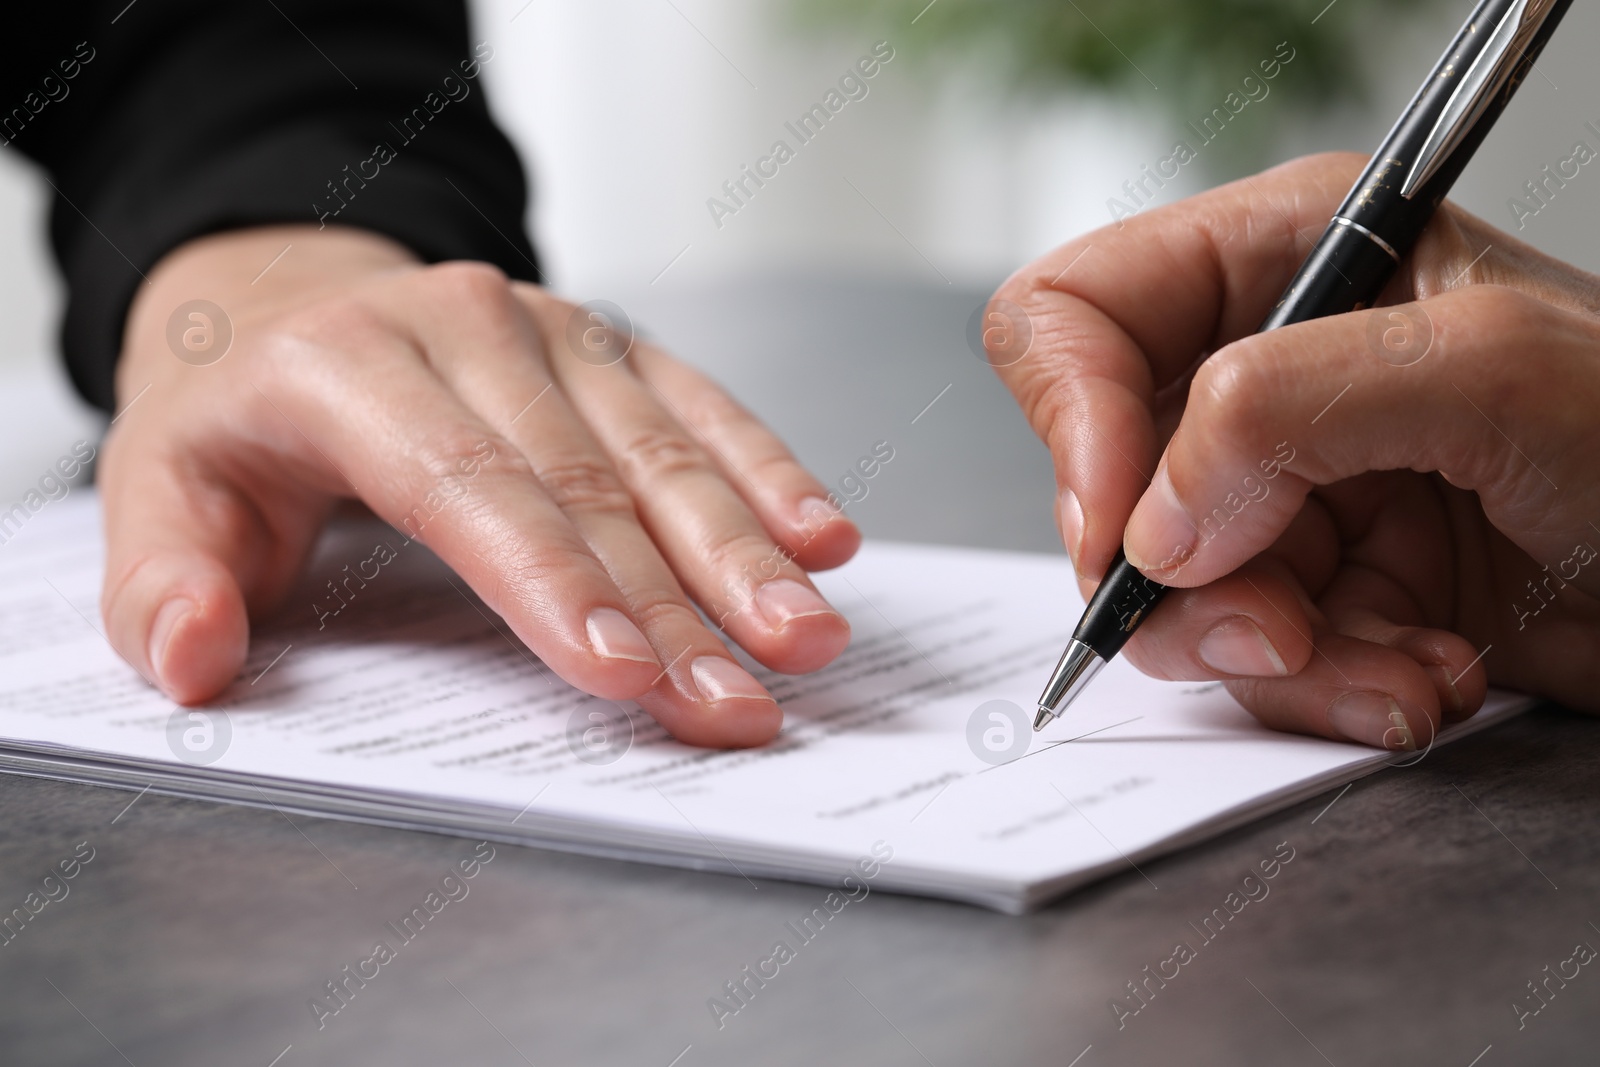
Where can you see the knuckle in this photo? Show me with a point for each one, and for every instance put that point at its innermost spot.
(458, 452)
(774, 467)
(1232, 393)
(585, 483)
(732, 551)
(663, 612)
(658, 452)
(713, 410)
(478, 292)
(477, 283)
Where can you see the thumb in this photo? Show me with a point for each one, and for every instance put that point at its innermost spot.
(1458, 384)
(187, 554)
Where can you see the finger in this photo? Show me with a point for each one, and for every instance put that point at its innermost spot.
(1449, 661)
(1101, 434)
(495, 362)
(1213, 265)
(1350, 690)
(716, 546)
(1313, 404)
(1255, 622)
(188, 556)
(793, 506)
(441, 475)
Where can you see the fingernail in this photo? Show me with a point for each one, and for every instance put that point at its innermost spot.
(1452, 695)
(1071, 523)
(1372, 719)
(815, 513)
(614, 636)
(162, 627)
(722, 679)
(1236, 645)
(1160, 533)
(784, 600)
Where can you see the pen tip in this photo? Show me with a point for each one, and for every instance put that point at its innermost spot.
(1043, 719)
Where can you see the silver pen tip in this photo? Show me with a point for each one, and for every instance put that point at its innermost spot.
(1079, 664)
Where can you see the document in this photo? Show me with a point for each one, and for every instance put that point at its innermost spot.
(386, 692)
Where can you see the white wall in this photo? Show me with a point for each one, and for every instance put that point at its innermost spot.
(633, 112)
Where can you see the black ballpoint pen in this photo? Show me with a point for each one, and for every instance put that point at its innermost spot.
(1379, 221)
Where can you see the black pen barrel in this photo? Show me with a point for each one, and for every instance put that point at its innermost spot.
(1117, 608)
(1377, 224)
(1375, 202)
(1343, 273)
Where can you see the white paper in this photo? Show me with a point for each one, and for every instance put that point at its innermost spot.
(414, 705)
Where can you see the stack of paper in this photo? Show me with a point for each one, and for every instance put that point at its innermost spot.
(912, 757)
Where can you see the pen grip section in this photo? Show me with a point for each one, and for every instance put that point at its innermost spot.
(1123, 600)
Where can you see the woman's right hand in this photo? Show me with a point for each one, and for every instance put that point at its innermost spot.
(1368, 517)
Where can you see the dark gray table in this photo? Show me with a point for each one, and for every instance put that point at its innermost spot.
(1418, 903)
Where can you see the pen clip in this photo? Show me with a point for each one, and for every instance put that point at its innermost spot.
(1490, 70)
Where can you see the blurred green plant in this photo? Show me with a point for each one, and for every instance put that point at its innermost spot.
(1181, 55)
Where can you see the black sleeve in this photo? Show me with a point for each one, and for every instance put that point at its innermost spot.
(185, 117)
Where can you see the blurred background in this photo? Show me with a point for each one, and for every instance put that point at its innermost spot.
(835, 299)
